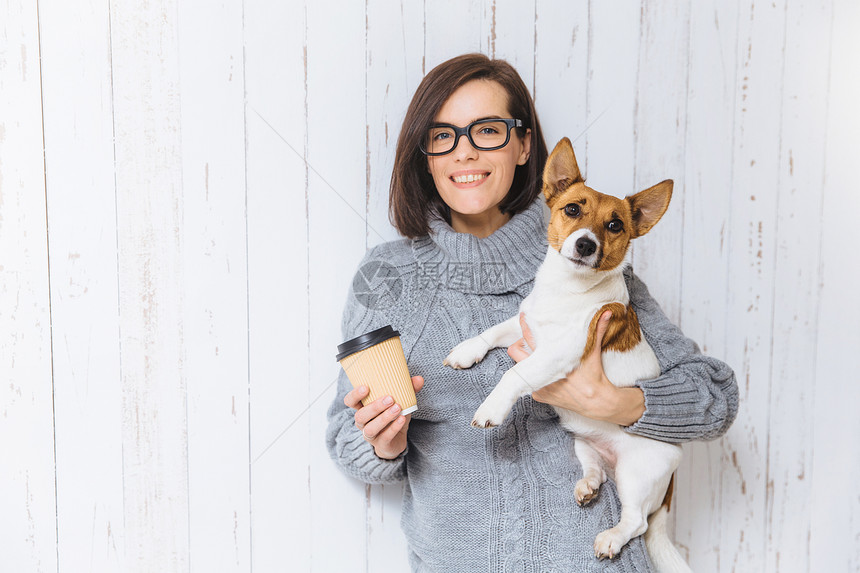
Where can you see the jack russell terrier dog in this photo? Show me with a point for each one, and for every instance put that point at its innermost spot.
(589, 235)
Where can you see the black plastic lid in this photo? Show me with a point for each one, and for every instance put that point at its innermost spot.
(365, 341)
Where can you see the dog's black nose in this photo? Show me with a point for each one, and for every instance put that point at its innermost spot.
(585, 247)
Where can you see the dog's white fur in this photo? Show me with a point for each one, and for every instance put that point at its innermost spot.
(565, 298)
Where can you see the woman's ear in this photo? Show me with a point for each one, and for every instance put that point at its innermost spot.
(527, 148)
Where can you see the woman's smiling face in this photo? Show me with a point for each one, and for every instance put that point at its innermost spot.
(473, 182)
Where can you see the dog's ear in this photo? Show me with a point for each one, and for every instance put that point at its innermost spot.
(561, 171)
(648, 206)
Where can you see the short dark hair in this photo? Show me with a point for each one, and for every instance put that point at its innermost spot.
(413, 199)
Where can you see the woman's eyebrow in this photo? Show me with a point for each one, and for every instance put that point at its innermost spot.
(486, 117)
(473, 121)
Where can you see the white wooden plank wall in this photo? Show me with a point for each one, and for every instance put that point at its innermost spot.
(80, 176)
(187, 187)
(28, 528)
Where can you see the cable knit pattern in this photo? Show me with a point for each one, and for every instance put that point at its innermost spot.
(501, 500)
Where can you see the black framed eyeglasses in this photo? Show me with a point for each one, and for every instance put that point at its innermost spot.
(483, 134)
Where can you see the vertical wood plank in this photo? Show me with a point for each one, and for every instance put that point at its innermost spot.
(834, 526)
(278, 318)
(705, 267)
(214, 270)
(393, 69)
(451, 28)
(79, 163)
(28, 503)
(613, 56)
(561, 72)
(386, 543)
(337, 199)
(149, 219)
(661, 111)
(796, 285)
(752, 242)
(276, 117)
(508, 33)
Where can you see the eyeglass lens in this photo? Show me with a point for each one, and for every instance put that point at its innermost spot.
(484, 135)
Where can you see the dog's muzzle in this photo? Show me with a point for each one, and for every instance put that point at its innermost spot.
(585, 247)
(582, 248)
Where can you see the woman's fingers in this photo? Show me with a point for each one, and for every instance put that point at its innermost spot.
(522, 348)
(527, 333)
(354, 397)
(518, 350)
(367, 413)
(381, 420)
(389, 432)
(376, 426)
(599, 333)
(418, 383)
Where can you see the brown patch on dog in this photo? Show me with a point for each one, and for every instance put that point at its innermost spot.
(667, 499)
(623, 332)
(563, 186)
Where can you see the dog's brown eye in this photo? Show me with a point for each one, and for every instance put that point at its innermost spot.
(571, 210)
(615, 226)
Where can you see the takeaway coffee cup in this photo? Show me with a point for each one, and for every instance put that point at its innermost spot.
(376, 360)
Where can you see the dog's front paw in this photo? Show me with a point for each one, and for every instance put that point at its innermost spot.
(467, 353)
(609, 543)
(585, 491)
(490, 414)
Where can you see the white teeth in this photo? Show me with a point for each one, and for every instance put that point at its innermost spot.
(469, 178)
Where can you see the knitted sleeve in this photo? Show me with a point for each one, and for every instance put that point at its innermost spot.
(346, 446)
(696, 396)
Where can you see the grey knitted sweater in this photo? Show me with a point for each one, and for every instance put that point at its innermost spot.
(501, 500)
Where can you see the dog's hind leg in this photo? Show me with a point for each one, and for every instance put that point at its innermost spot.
(641, 477)
(593, 474)
(633, 522)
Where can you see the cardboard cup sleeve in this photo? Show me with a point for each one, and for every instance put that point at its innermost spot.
(376, 360)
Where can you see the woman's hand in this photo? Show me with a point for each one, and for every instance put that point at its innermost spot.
(380, 422)
(586, 390)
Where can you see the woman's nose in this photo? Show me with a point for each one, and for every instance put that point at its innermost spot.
(464, 150)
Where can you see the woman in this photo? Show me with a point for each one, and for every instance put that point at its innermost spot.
(465, 194)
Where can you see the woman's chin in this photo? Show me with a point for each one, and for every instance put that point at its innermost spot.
(475, 203)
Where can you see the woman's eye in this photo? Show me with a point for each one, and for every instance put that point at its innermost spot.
(615, 226)
(488, 131)
(572, 210)
(441, 136)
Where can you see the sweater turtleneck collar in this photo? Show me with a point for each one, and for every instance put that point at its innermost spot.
(496, 264)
